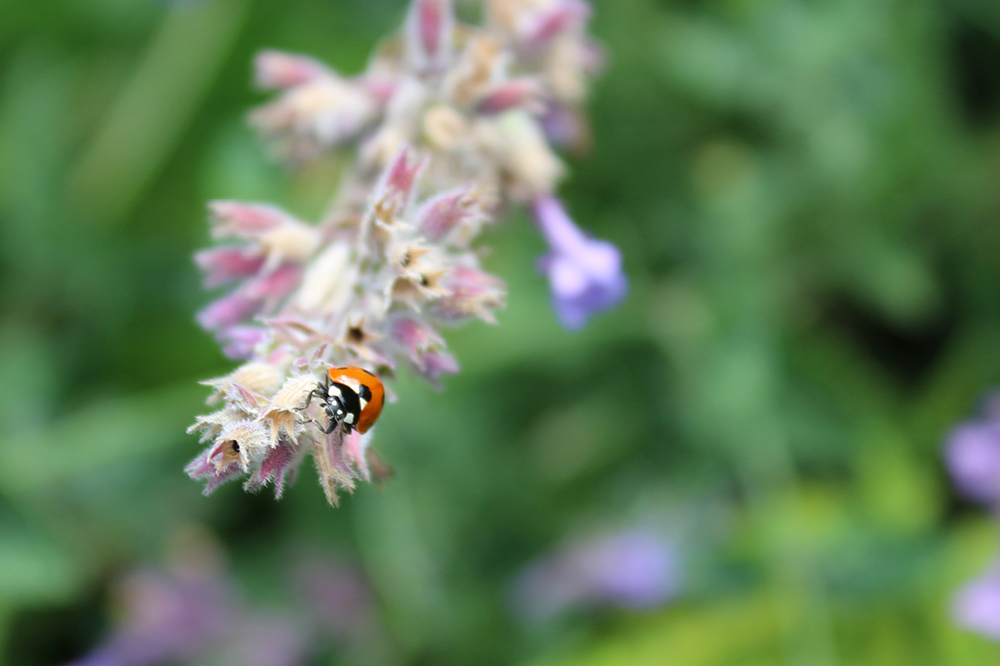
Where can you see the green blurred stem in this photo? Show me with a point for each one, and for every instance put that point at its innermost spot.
(772, 469)
(156, 106)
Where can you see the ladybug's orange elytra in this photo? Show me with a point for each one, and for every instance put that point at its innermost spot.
(368, 387)
(352, 397)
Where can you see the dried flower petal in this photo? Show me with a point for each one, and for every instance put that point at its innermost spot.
(454, 216)
(228, 263)
(283, 411)
(279, 466)
(471, 293)
(261, 378)
(354, 448)
(334, 473)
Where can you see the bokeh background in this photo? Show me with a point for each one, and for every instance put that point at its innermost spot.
(807, 197)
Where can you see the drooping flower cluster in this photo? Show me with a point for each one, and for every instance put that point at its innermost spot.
(449, 124)
(972, 453)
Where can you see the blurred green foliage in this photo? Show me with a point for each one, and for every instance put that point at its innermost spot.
(806, 195)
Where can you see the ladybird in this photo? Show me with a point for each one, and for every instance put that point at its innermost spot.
(352, 396)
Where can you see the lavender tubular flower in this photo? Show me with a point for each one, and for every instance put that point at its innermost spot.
(444, 136)
(585, 274)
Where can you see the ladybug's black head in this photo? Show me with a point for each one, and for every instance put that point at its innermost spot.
(343, 405)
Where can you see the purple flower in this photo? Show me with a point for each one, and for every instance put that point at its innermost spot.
(167, 617)
(193, 613)
(337, 597)
(635, 569)
(972, 453)
(977, 605)
(585, 274)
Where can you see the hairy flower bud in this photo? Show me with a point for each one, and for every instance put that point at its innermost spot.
(320, 113)
(525, 93)
(454, 217)
(277, 70)
(537, 28)
(430, 29)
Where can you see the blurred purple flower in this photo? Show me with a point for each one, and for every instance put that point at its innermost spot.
(267, 639)
(189, 613)
(336, 596)
(972, 453)
(585, 275)
(977, 605)
(166, 618)
(635, 570)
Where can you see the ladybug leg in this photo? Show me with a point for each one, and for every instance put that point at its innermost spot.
(318, 392)
(330, 426)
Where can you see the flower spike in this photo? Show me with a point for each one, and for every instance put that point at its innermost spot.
(449, 125)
